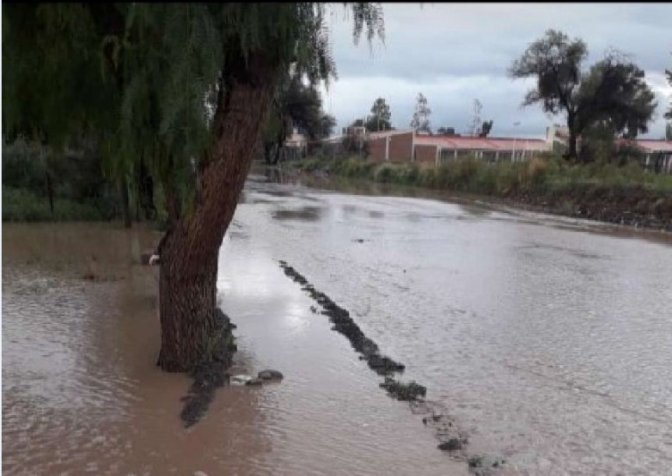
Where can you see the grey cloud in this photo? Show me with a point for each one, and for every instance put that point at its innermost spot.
(485, 39)
(454, 53)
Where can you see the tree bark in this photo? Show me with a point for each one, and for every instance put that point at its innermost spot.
(126, 204)
(189, 252)
(572, 153)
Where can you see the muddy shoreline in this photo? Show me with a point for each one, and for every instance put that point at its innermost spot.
(632, 207)
(635, 207)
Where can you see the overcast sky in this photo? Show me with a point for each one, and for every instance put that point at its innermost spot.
(455, 53)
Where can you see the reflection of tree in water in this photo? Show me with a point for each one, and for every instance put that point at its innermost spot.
(475, 210)
(302, 214)
(281, 176)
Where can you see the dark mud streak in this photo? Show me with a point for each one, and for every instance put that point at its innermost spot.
(209, 376)
(368, 350)
(451, 438)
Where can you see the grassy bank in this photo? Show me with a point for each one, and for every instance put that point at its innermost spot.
(21, 205)
(606, 192)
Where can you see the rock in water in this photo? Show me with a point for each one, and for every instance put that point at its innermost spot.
(451, 445)
(270, 375)
(255, 381)
(144, 257)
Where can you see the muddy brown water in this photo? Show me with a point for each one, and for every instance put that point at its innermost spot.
(547, 340)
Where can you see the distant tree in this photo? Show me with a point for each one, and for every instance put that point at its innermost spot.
(474, 125)
(668, 131)
(420, 121)
(327, 124)
(613, 91)
(477, 126)
(485, 129)
(379, 120)
(295, 105)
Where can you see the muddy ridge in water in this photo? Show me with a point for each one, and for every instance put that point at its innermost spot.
(450, 437)
(209, 376)
(343, 323)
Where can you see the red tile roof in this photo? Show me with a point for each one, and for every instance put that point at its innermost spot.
(649, 145)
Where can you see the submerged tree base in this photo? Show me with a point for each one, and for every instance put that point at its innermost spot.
(210, 374)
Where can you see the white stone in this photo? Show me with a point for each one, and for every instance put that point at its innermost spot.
(240, 379)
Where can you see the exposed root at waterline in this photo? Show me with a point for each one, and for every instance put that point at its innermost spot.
(210, 374)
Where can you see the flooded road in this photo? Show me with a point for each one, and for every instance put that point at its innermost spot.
(548, 342)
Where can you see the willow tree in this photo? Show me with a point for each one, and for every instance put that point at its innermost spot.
(183, 87)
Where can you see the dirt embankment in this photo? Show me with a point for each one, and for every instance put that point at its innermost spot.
(630, 205)
(634, 206)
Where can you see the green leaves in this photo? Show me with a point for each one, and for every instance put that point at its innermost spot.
(555, 61)
(612, 94)
(144, 79)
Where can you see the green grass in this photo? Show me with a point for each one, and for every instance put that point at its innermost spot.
(20, 205)
(541, 175)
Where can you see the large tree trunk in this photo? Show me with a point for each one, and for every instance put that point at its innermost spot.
(572, 152)
(187, 296)
(189, 253)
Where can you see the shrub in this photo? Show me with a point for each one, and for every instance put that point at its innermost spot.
(384, 173)
(24, 205)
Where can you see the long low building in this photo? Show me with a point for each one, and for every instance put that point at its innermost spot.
(657, 153)
(408, 146)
